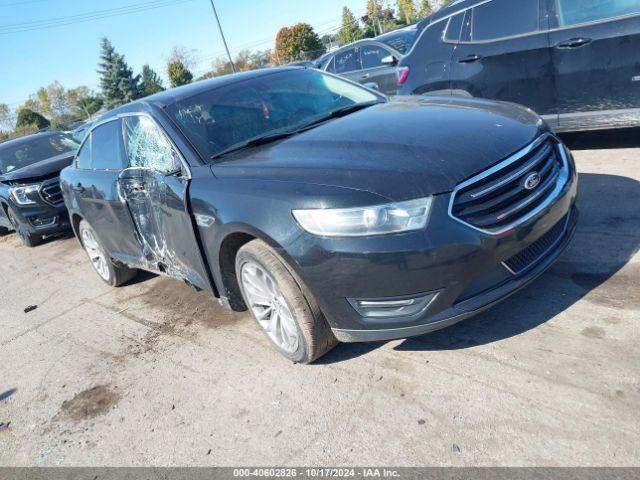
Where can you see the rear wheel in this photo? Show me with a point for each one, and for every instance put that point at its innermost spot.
(289, 316)
(114, 275)
(28, 239)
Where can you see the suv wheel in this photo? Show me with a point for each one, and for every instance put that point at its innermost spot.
(28, 240)
(114, 275)
(288, 315)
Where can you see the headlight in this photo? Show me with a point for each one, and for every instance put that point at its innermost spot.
(23, 195)
(363, 221)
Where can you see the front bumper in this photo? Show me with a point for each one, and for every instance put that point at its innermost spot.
(42, 219)
(467, 268)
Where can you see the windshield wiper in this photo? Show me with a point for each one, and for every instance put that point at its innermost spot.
(272, 137)
(340, 112)
(254, 142)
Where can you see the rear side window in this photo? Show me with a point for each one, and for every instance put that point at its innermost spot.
(106, 152)
(148, 147)
(83, 160)
(504, 18)
(574, 12)
(454, 27)
(372, 55)
(347, 61)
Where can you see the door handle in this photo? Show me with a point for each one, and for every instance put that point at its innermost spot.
(137, 187)
(78, 188)
(470, 58)
(365, 76)
(574, 42)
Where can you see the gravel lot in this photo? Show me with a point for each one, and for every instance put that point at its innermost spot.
(155, 373)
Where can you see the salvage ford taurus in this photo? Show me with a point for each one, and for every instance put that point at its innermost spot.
(329, 212)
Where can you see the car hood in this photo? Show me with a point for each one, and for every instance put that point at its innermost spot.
(41, 170)
(401, 149)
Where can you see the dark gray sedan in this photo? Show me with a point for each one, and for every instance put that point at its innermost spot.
(371, 62)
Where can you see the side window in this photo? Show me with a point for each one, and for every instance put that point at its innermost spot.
(83, 160)
(106, 151)
(331, 66)
(504, 18)
(574, 12)
(454, 27)
(372, 55)
(346, 61)
(148, 147)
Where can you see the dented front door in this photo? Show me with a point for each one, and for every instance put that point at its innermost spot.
(155, 190)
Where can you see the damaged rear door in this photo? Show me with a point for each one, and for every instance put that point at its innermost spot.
(154, 187)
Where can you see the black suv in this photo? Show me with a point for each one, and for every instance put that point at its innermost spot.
(575, 62)
(328, 211)
(31, 202)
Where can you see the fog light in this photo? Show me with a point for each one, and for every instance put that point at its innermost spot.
(392, 307)
(39, 223)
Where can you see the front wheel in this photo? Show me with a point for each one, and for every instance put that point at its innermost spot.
(28, 240)
(114, 275)
(290, 317)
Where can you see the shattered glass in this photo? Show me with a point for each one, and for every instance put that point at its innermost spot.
(147, 146)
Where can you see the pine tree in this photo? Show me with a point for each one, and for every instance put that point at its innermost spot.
(350, 30)
(178, 73)
(425, 9)
(151, 82)
(118, 84)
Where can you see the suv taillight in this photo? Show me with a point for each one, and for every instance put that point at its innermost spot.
(403, 73)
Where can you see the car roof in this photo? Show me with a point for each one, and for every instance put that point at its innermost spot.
(28, 138)
(173, 95)
(450, 9)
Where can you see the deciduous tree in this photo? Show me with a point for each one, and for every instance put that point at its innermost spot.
(299, 42)
(407, 11)
(425, 9)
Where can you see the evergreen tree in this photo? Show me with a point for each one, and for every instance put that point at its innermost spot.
(178, 73)
(150, 82)
(117, 81)
(350, 30)
(425, 9)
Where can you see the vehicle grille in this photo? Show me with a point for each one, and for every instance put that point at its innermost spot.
(537, 250)
(51, 193)
(496, 199)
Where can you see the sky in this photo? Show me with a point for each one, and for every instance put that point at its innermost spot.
(32, 56)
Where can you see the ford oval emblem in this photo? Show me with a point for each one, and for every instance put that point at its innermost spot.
(532, 181)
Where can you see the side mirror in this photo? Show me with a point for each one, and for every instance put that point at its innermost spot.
(390, 61)
(371, 85)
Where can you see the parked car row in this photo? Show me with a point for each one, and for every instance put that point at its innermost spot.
(574, 62)
(329, 211)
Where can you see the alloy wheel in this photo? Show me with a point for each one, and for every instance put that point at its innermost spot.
(96, 255)
(269, 307)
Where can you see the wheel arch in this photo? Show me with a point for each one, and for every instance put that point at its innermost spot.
(234, 238)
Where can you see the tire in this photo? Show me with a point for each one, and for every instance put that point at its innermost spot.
(114, 275)
(289, 300)
(4, 231)
(28, 240)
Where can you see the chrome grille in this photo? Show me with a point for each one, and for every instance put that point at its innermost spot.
(502, 197)
(51, 193)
